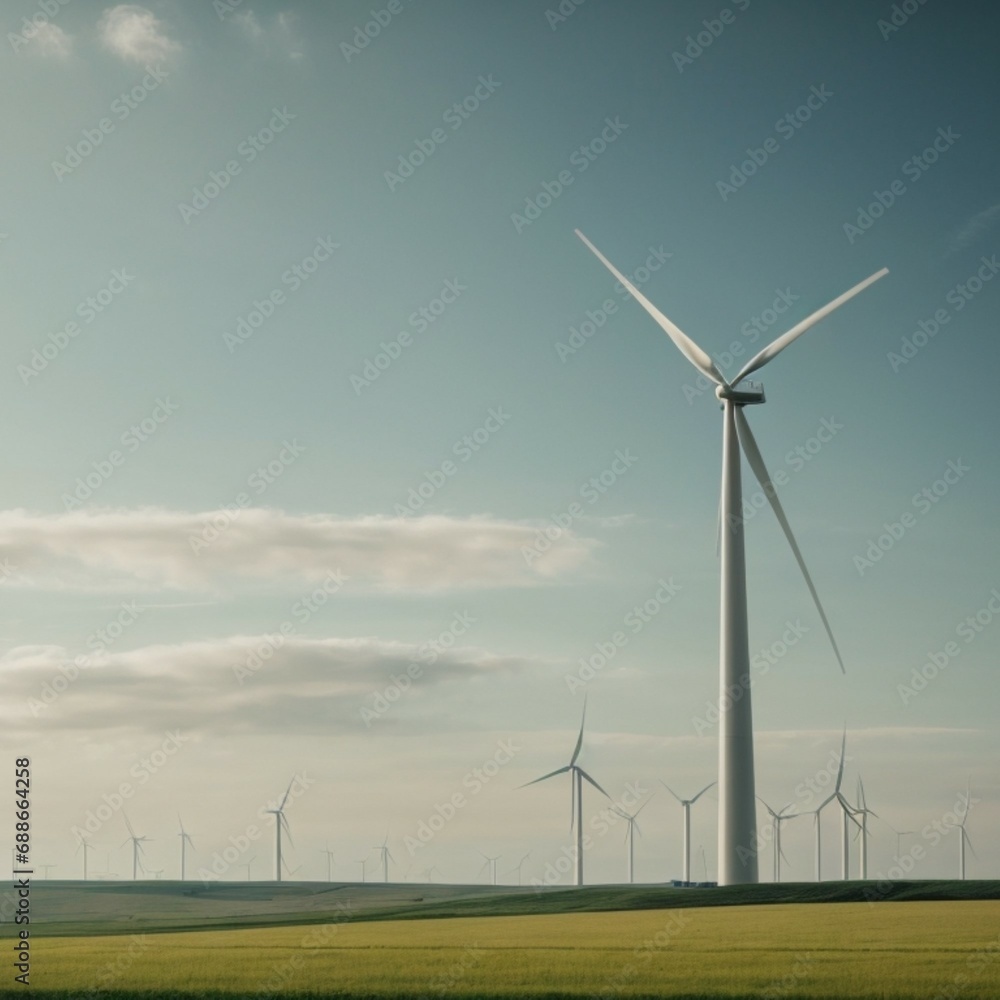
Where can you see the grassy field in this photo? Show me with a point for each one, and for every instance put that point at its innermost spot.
(888, 951)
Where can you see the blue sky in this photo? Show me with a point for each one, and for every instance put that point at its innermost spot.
(251, 153)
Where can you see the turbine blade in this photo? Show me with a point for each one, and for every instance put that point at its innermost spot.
(594, 783)
(579, 739)
(672, 792)
(545, 777)
(643, 806)
(287, 792)
(753, 455)
(968, 841)
(840, 769)
(777, 346)
(684, 343)
(701, 793)
(129, 825)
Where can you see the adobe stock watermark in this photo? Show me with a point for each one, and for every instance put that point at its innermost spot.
(642, 955)
(597, 318)
(968, 630)
(420, 320)
(454, 116)
(203, 195)
(427, 655)
(899, 15)
(463, 449)
(760, 665)
(474, 781)
(367, 32)
(87, 311)
(562, 13)
(30, 26)
(292, 278)
(913, 169)
(751, 331)
(923, 502)
(110, 972)
(711, 29)
(580, 160)
(302, 610)
(131, 441)
(99, 641)
(958, 298)
(591, 491)
(91, 139)
(786, 128)
(263, 477)
(635, 621)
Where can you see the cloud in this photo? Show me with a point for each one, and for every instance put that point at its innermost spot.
(241, 685)
(979, 224)
(280, 34)
(135, 34)
(50, 40)
(153, 549)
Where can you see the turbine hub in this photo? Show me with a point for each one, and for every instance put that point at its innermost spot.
(743, 394)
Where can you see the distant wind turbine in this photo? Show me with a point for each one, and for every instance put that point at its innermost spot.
(386, 857)
(777, 818)
(737, 806)
(247, 864)
(517, 868)
(900, 834)
(577, 774)
(864, 812)
(84, 846)
(686, 808)
(137, 847)
(185, 840)
(832, 797)
(280, 823)
(329, 863)
(363, 862)
(630, 831)
(963, 834)
(491, 863)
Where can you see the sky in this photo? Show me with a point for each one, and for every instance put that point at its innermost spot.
(334, 457)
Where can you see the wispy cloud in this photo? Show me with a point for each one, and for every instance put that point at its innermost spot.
(977, 226)
(279, 34)
(303, 686)
(50, 40)
(155, 549)
(136, 34)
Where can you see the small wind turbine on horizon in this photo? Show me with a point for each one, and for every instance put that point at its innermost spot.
(137, 847)
(963, 834)
(630, 830)
(777, 818)
(280, 822)
(864, 812)
(900, 834)
(85, 846)
(737, 805)
(363, 862)
(247, 864)
(517, 868)
(385, 856)
(185, 840)
(329, 862)
(577, 774)
(686, 808)
(491, 863)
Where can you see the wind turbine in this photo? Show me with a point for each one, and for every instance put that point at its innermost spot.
(329, 863)
(900, 834)
(137, 847)
(517, 868)
(490, 863)
(963, 834)
(864, 812)
(85, 846)
(830, 798)
(577, 774)
(279, 822)
(737, 809)
(686, 807)
(185, 840)
(777, 818)
(46, 869)
(630, 830)
(386, 856)
(363, 862)
(247, 864)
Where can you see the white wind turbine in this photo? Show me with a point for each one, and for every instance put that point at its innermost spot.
(280, 823)
(386, 856)
(900, 834)
(84, 846)
(185, 840)
(864, 812)
(517, 868)
(832, 797)
(491, 863)
(247, 865)
(329, 863)
(737, 810)
(630, 830)
(777, 818)
(686, 807)
(363, 862)
(577, 774)
(137, 847)
(963, 834)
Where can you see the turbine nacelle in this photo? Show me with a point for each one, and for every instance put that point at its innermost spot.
(744, 394)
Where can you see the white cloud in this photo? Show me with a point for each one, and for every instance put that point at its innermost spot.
(298, 686)
(51, 40)
(247, 20)
(135, 34)
(979, 224)
(155, 549)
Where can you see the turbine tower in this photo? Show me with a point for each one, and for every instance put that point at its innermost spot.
(490, 863)
(363, 862)
(329, 862)
(517, 868)
(386, 856)
(185, 840)
(279, 823)
(577, 774)
(630, 831)
(963, 834)
(686, 807)
(737, 809)
(900, 834)
(830, 798)
(864, 812)
(84, 846)
(247, 865)
(777, 818)
(137, 847)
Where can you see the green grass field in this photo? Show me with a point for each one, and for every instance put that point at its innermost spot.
(888, 951)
